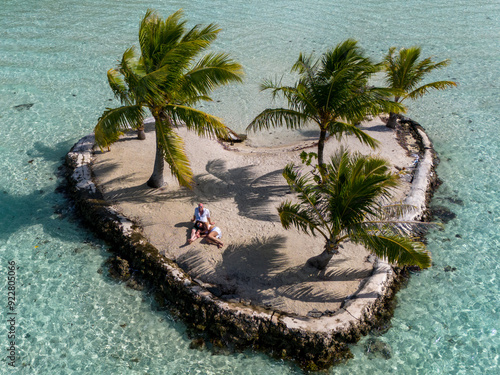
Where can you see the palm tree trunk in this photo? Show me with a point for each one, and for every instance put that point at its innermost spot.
(156, 180)
(321, 146)
(393, 120)
(141, 134)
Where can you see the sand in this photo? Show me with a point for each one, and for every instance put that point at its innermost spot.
(260, 262)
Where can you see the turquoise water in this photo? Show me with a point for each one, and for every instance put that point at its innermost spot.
(71, 319)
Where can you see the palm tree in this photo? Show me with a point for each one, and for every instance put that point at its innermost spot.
(332, 92)
(404, 72)
(348, 206)
(167, 80)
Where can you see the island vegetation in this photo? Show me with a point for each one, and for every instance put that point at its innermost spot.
(345, 204)
(347, 198)
(404, 72)
(168, 78)
(333, 92)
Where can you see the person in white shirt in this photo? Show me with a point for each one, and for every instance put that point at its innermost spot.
(202, 222)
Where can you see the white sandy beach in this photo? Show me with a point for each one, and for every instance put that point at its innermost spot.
(260, 263)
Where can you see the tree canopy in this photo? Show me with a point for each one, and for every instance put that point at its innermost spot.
(331, 91)
(404, 72)
(347, 204)
(168, 79)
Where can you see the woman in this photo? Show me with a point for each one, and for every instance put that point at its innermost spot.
(214, 235)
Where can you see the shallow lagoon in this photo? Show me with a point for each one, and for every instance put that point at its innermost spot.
(71, 319)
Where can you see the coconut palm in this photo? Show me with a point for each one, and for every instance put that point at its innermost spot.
(168, 78)
(404, 72)
(332, 92)
(349, 206)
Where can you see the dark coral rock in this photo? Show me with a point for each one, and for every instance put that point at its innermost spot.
(443, 213)
(315, 313)
(118, 268)
(375, 348)
(215, 291)
(382, 329)
(455, 201)
(198, 343)
(134, 284)
(450, 269)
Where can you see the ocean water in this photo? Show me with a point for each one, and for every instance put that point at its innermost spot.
(70, 318)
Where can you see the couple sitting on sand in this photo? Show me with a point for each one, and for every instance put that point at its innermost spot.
(204, 227)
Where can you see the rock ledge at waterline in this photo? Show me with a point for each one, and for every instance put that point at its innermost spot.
(316, 337)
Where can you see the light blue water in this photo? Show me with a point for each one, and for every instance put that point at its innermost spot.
(71, 319)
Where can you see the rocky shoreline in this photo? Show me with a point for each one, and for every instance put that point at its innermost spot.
(313, 342)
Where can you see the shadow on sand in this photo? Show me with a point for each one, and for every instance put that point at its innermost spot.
(255, 271)
(218, 183)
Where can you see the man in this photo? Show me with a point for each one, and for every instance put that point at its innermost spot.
(201, 220)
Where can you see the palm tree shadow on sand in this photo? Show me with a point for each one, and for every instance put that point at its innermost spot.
(257, 271)
(251, 192)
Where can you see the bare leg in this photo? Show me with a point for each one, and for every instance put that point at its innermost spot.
(195, 234)
(212, 237)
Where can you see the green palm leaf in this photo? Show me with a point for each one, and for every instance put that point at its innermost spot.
(202, 123)
(348, 205)
(117, 84)
(167, 79)
(294, 215)
(340, 129)
(173, 151)
(397, 249)
(278, 117)
(212, 71)
(405, 72)
(114, 122)
(422, 90)
(332, 92)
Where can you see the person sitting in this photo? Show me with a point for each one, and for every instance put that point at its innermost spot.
(197, 231)
(201, 220)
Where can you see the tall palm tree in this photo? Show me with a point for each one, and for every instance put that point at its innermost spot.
(332, 92)
(168, 79)
(348, 206)
(404, 72)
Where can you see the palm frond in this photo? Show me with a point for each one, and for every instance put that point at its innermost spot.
(277, 117)
(208, 33)
(201, 122)
(113, 122)
(212, 71)
(172, 147)
(422, 90)
(294, 215)
(309, 194)
(340, 129)
(306, 67)
(117, 84)
(397, 249)
(396, 210)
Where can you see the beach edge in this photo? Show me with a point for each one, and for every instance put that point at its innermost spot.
(313, 343)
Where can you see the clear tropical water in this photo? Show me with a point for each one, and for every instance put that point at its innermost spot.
(71, 319)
